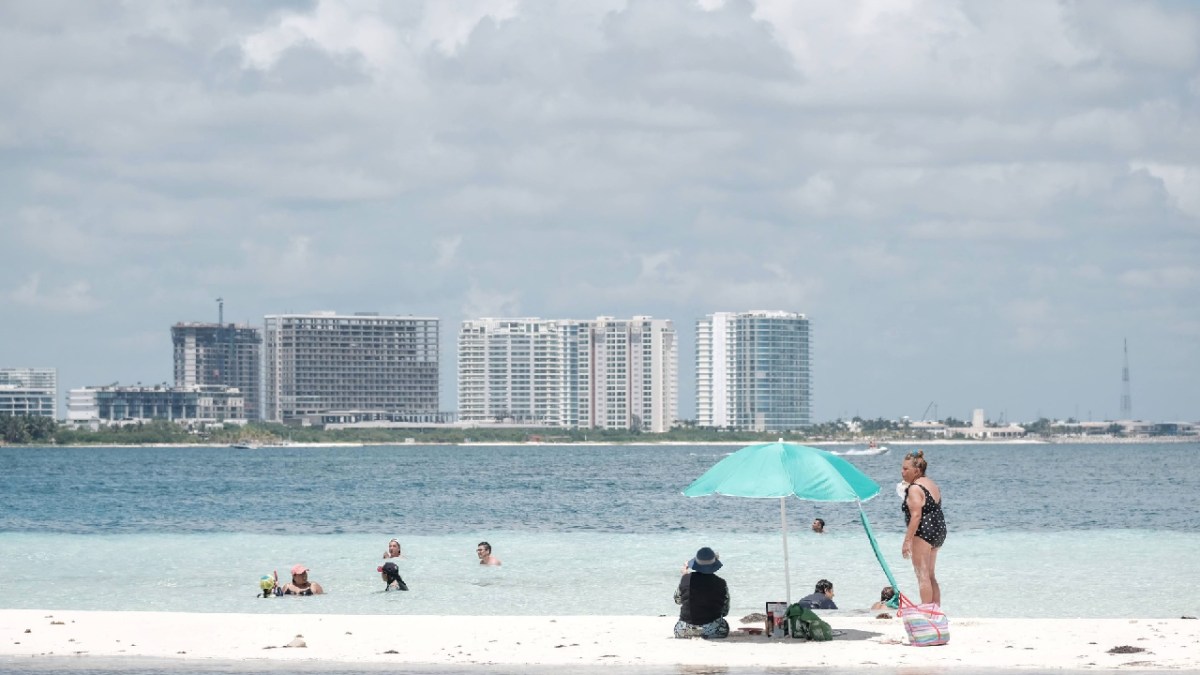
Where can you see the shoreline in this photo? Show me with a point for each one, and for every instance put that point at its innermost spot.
(1092, 440)
(978, 644)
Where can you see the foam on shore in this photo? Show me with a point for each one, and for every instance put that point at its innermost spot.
(1045, 644)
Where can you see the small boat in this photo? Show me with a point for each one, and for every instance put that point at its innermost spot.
(870, 450)
(246, 446)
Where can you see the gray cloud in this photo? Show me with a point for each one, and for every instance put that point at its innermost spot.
(974, 202)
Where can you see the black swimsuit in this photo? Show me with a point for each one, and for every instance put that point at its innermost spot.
(932, 527)
(307, 591)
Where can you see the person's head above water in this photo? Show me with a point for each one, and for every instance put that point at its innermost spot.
(393, 549)
(818, 525)
(887, 593)
(824, 586)
(484, 551)
(391, 576)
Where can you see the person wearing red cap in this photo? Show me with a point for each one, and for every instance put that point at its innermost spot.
(300, 584)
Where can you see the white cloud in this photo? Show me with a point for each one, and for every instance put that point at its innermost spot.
(338, 27)
(898, 169)
(1181, 181)
(1162, 278)
(448, 25)
(1037, 325)
(481, 302)
(447, 250)
(983, 230)
(72, 298)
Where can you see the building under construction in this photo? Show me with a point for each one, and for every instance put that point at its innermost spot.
(220, 353)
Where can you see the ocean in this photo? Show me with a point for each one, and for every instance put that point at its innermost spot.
(1036, 530)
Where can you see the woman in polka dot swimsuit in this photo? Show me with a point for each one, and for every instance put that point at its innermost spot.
(926, 523)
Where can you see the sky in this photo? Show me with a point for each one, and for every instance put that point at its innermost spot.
(975, 203)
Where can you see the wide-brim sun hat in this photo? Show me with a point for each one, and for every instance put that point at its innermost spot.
(706, 561)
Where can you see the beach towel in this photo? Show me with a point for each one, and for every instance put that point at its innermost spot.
(926, 624)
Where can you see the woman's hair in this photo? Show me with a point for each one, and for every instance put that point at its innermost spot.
(886, 594)
(393, 541)
(824, 585)
(917, 459)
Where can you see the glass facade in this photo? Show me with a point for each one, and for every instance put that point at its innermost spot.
(754, 371)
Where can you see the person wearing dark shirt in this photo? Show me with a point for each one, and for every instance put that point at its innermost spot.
(703, 598)
(822, 597)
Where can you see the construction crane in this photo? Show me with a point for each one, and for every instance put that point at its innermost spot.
(925, 415)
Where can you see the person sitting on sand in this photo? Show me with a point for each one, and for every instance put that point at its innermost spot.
(703, 598)
(391, 577)
(484, 551)
(821, 598)
(886, 594)
(393, 550)
(300, 584)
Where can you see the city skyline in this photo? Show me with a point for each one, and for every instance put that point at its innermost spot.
(975, 204)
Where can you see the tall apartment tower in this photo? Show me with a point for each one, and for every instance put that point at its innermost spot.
(518, 370)
(29, 392)
(631, 373)
(220, 354)
(605, 373)
(753, 371)
(324, 361)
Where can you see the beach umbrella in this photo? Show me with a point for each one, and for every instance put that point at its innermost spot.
(780, 470)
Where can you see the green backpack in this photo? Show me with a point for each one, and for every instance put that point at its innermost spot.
(804, 623)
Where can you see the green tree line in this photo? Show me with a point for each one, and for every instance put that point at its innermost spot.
(46, 431)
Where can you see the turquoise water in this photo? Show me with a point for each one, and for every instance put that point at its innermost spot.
(1068, 530)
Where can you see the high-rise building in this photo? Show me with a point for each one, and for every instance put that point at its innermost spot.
(633, 374)
(324, 361)
(229, 355)
(604, 373)
(29, 392)
(517, 370)
(753, 371)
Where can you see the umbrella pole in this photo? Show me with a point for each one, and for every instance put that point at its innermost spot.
(787, 573)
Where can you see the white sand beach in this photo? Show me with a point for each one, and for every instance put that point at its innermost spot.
(1164, 644)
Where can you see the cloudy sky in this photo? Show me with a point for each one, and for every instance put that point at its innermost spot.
(974, 202)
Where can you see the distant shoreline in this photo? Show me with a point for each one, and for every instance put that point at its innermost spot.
(1091, 440)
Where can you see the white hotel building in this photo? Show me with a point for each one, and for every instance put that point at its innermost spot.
(604, 373)
(29, 392)
(753, 371)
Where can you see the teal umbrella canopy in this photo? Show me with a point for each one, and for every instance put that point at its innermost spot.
(783, 469)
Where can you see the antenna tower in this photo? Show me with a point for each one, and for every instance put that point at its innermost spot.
(1126, 396)
(220, 311)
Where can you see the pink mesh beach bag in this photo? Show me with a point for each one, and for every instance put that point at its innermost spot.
(925, 624)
